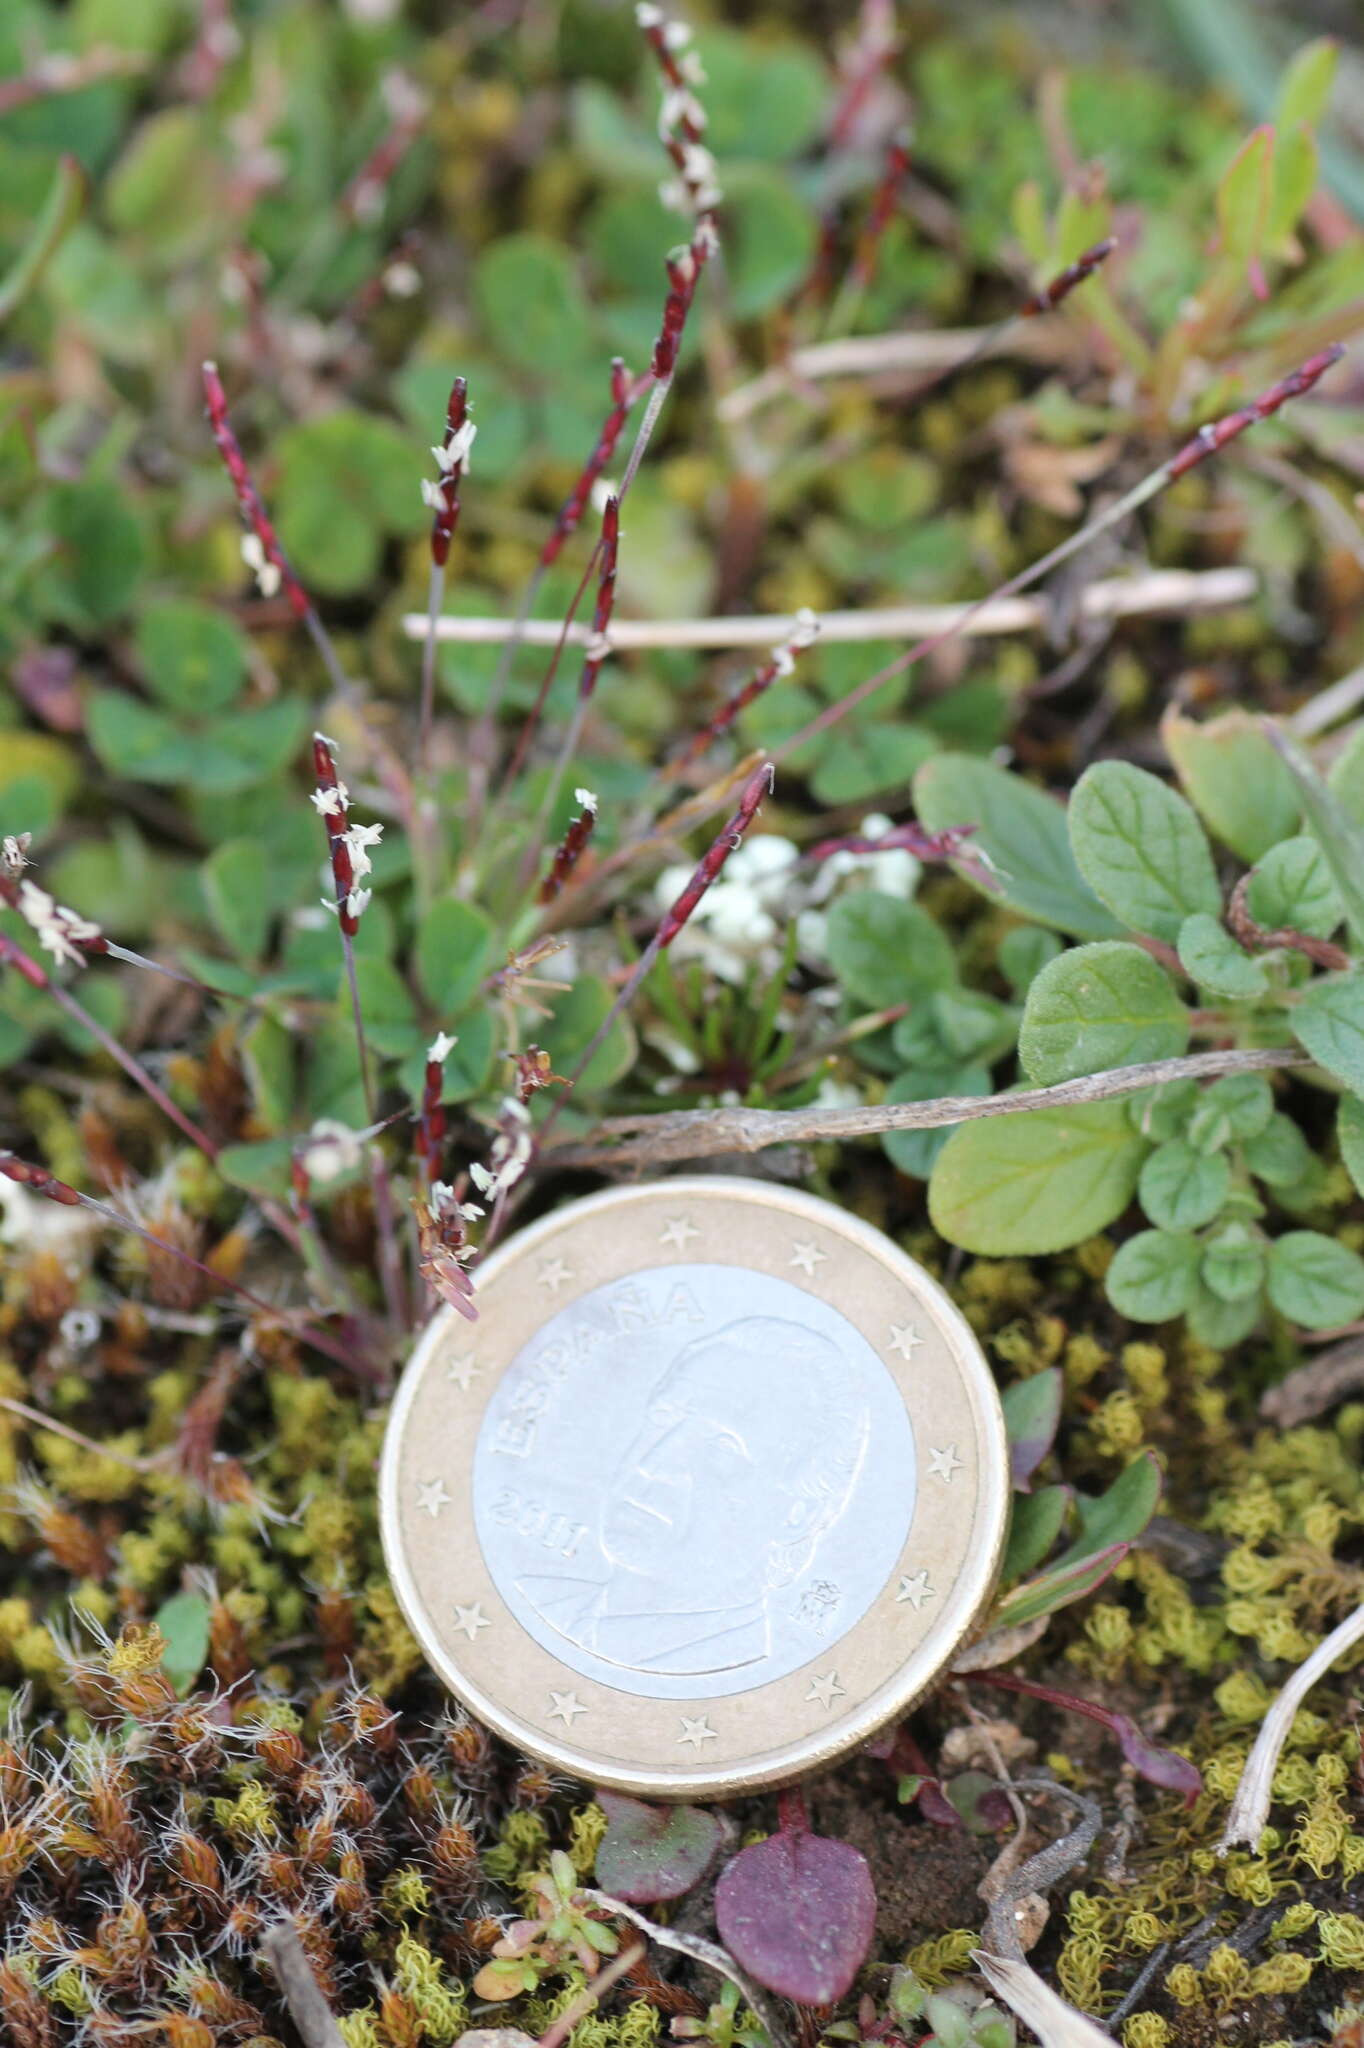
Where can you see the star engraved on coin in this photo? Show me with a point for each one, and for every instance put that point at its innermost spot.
(471, 1619)
(700, 1527)
(826, 1690)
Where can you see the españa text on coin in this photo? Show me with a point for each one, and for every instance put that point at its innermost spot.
(713, 1488)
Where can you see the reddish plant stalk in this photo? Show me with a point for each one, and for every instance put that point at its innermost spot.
(862, 65)
(335, 815)
(431, 1125)
(1049, 297)
(1207, 441)
(570, 849)
(880, 214)
(362, 201)
(444, 500)
(258, 522)
(598, 647)
(780, 662)
(625, 391)
(708, 868)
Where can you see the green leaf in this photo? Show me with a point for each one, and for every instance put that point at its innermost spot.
(1220, 1324)
(346, 480)
(867, 759)
(133, 739)
(59, 212)
(262, 1168)
(1181, 1188)
(1121, 1513)
(1032, 1410)
(1022, 832)
(236, 890)
(240, 748)
(99, 553)
(454, 945)
(1243, 194)
(1279, 1154)
(1230, 771)
(914, 1152)
(1305, 88)
(1153, 1275)
(386, 1005)
(1100, 1006)
(1291, 890)
(1065, 1582)
(1163, 1111)
(1141, 849)
(193, 657)
(763, 99)
(1350, 1133)
(577, 1014)
(1314, 1281)
(885, 951)
(972, 1026)
(1328, 1020)
(1037, 1181)
(1210, 956)
(1234, 1263)
(531, 303)
(1024, 952)
(1034, 1525)
(771, 233)
(267, 1053)
(1340, 837)
(1244, 1101)
(183, 1621)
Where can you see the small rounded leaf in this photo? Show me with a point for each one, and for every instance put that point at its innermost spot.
(1234, 1263)
(1100, 1006)
(1210, 956)
(798, 1912)
(1314, 1281)
(1291, 889)
(1141, 849)
(653, 1852)
(1154, 1275)
(1181, 1188)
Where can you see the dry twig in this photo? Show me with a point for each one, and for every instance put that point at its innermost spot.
(662, 1140)
(308, 2007)
(1250, 1807)
(1175, 591)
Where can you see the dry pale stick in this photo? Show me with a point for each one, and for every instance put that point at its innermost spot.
(1250, 1807)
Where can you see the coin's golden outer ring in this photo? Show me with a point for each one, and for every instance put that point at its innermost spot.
(696, 1747)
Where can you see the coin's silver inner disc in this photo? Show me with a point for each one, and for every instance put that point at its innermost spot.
(688, 1480)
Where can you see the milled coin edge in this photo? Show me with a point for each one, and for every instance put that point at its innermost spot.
(796, 1761)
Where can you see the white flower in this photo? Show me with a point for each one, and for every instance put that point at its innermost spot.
(14, 853)
(441, 1047)
(331, 1148)
(597, 648)
(330, 803)
(649, 16)
(402, 280)
(603, 489)
(357, 903)
(676, 35)
(679, 105)
(587, 798)
(457, 449)
(439, 1194)
(357, 842)
(258, 562)
(485, 1182)
(60, 931)
(433, 496)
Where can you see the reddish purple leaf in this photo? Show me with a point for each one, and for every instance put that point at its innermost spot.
(653, 1852)
(798, 1912)
(1163, 1767)
(981, 1801)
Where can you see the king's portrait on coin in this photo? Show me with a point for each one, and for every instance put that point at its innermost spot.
(747, 1453)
